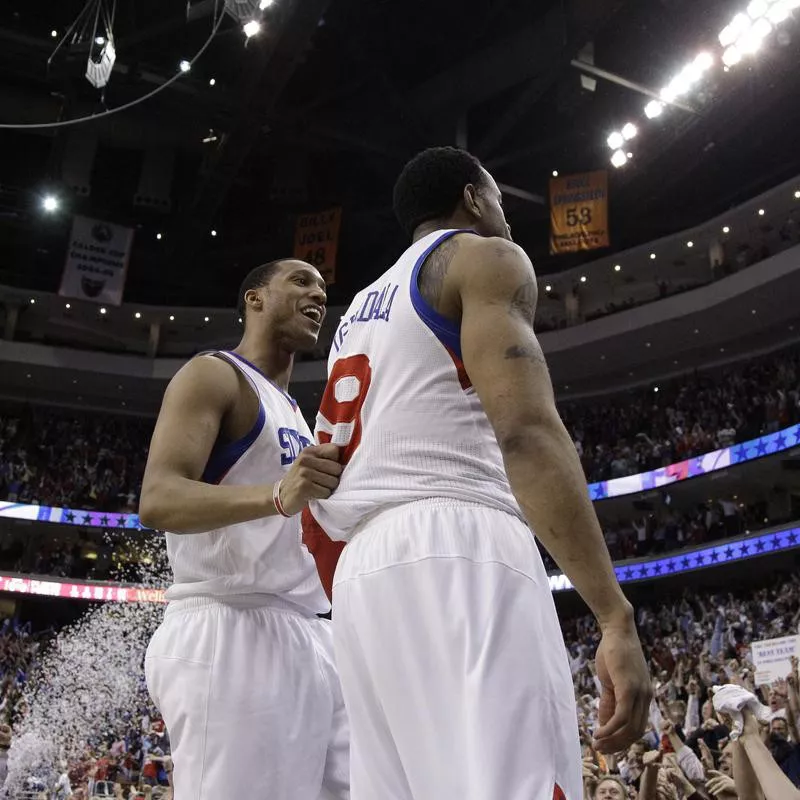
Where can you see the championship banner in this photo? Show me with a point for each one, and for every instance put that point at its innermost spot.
(579, 212)
(316, 241)
(97, 261)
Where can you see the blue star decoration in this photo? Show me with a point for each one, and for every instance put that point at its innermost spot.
(776, 542)
(728, 552)
(714, 556)
(685, 563)
(69, 516)
(104, 520)
(658, 569)
(120, 523)
(760, 545)
(87, 519)
(780, 442)
(745, 549)
(761, 448)
(738, 454)
(792, 538)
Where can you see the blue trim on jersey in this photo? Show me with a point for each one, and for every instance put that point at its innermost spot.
(224, 456)
(445, 330)
(269, 380)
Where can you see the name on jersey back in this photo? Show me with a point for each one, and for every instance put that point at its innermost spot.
(377, 305)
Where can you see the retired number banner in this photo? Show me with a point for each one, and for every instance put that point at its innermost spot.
(579, 212)
(316, 241)
(97, 261)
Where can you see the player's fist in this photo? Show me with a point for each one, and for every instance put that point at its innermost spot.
(313, 476)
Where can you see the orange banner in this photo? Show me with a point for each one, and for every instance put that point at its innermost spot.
(316, 241)
(579, 212)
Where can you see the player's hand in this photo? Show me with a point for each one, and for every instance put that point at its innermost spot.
(626, 689)
(313, 476)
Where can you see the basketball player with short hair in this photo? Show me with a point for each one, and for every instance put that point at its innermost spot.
(453, 667)
(242, 667)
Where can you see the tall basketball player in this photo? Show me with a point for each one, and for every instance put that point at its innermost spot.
(242, 667)
(452, 663)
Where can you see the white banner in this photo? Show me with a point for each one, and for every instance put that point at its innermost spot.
(97, 261)
(772, 658)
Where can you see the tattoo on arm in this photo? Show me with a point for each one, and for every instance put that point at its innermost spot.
(527, 352)
(434, 270)
(523, 302)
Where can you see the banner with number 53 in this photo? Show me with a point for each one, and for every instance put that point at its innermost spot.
(579, 212)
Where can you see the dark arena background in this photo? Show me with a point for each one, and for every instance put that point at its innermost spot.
(153, 151)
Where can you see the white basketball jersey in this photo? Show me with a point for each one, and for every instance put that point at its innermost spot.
(263, 556)
(401, 403)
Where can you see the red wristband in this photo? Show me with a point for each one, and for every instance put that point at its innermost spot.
(276, 499)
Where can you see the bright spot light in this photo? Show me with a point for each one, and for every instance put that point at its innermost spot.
(615, 140)
(779, 12)
(251, 28)
(653, 109)
(172, 318)
(652, 256)
(761, 212)
(33, 301)
(732, 56)
(668, 93)
(690, 244)
(797, 195)
(102, 310)
(583, 279)
(138, 315)
(704, 61)
(265, 4)
(54, 33)
(100, 40)
(762, 28)
(629, 130)
(617, 268)
(548, 288)
(630, 155)
(212, 82)
(213, 233)
(619, 159)
(184, 66)
(757, 8)
(50, 203)
(726, 229)
(555, 173)
(158, 236)
(207, 319)
(68, 306)
(750, 41)
(655, 388)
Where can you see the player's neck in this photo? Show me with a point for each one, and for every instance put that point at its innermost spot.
(271, 358)
(454, 222)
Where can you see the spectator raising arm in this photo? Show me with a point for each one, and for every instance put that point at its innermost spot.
(771, 778)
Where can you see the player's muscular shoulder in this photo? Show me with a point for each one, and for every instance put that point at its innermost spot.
(450, 265)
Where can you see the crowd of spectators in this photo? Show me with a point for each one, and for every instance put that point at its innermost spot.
(90, 460)
(692, 644)
(696, 643)
(68, 458)
(686, 416)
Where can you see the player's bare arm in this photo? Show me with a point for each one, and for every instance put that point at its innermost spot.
(174, 496)
(493, 282)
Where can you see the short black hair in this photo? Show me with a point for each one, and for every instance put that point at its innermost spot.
(255, 279)
(432, 184)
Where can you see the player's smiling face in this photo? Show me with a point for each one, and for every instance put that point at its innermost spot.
(296, 301)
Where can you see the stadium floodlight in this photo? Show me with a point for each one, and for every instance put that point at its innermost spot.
(251, 28)
(619, 159)
(779, 12)
(653, 109)
(762, 28)
(731, 32)
(265, 4)
(751, 40)
(184, 66)
(50, 203)
(732, 56)
(615, 140)
(757, 8)
(704, 61)
(629, 131)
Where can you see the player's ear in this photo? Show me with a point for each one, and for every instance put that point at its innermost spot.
(471, 200)
(253, 298)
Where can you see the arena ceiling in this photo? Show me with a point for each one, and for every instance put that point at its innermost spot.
(325, 105)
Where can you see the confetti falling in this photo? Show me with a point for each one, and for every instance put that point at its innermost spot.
(88, 685)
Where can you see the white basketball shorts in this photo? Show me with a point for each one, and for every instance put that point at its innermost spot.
(452, 663)
(251, 700)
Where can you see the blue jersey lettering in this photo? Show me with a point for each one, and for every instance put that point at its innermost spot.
(376, 306)
(292, 443)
